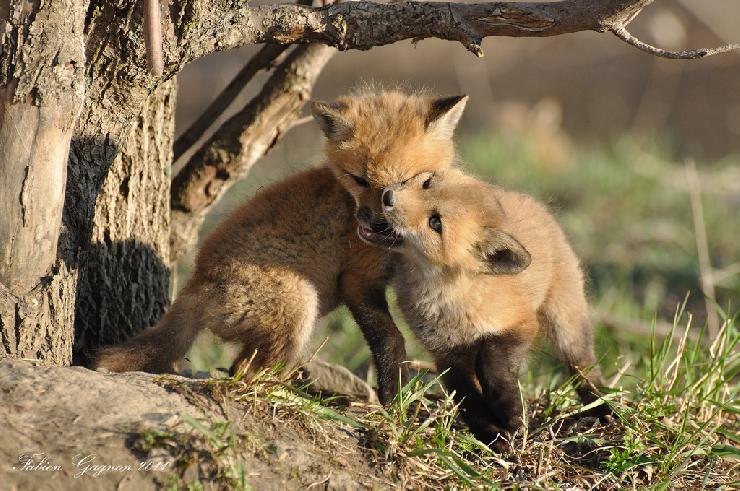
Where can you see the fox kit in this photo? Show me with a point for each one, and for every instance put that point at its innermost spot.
(481, 270)
(307, 244)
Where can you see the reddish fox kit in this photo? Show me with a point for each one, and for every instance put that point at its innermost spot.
(305, 245)
(480, 271)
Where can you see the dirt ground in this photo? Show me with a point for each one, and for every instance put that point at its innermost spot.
(72, 428)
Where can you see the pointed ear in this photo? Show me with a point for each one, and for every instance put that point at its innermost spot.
(501, 253)
(330, 119)
(444, 114)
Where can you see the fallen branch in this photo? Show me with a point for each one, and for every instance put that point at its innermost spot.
(265, 58)
(241, 141)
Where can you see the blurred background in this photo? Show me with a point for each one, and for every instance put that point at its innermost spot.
(606, 135)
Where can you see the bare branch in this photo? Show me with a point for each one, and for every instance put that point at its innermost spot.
(241, 141)
(691, 54)
(363, 25)
(265, 58)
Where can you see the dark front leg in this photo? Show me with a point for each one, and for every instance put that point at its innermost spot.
(497, 367)
(459, 378)
(370, 310)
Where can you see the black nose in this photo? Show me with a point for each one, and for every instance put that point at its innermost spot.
(364, 214)
(380, 225)
(388, 198)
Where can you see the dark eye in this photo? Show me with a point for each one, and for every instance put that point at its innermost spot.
(435, 223)
(427, 183)
(360, 181)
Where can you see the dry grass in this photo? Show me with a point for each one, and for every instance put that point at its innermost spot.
(678, 429)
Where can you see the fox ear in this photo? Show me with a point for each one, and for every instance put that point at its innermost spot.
(330, 119)
(501, 253)
(444, 114)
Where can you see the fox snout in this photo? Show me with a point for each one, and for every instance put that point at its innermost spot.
(375, 219)
(375, 222)
(374, 226)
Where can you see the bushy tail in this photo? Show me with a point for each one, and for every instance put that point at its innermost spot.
(154, 350)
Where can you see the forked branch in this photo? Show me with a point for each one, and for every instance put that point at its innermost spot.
(241, 141)
(265, 58)
(363, 25)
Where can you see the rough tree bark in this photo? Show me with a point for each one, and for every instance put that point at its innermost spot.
(109, 277)
(41, 94)
(123, 265)
(102, 273)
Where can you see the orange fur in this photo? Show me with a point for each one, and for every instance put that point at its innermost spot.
(292, 253)
(495, 271)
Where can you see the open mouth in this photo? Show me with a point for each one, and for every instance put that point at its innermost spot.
(387, 238)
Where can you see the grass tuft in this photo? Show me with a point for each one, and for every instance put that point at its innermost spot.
(678, 429)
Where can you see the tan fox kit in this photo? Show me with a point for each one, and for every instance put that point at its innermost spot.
(296, 250)
(481, 270)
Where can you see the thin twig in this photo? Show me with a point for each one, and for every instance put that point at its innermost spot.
(702, 249)
(689, 7)
(620, 373)
(691, 54)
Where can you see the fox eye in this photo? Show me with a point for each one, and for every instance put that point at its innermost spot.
(361, 181)
(427, 183)
(435, 223)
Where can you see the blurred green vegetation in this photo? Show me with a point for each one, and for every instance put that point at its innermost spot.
(627, 211)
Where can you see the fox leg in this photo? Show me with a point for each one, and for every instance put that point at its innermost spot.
(270, 316)
(459, 378)
(497, 367)
(565, 319)
(365, 298)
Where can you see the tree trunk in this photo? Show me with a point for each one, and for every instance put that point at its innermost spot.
(41, 94)
(124, 264)
(108, 277)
